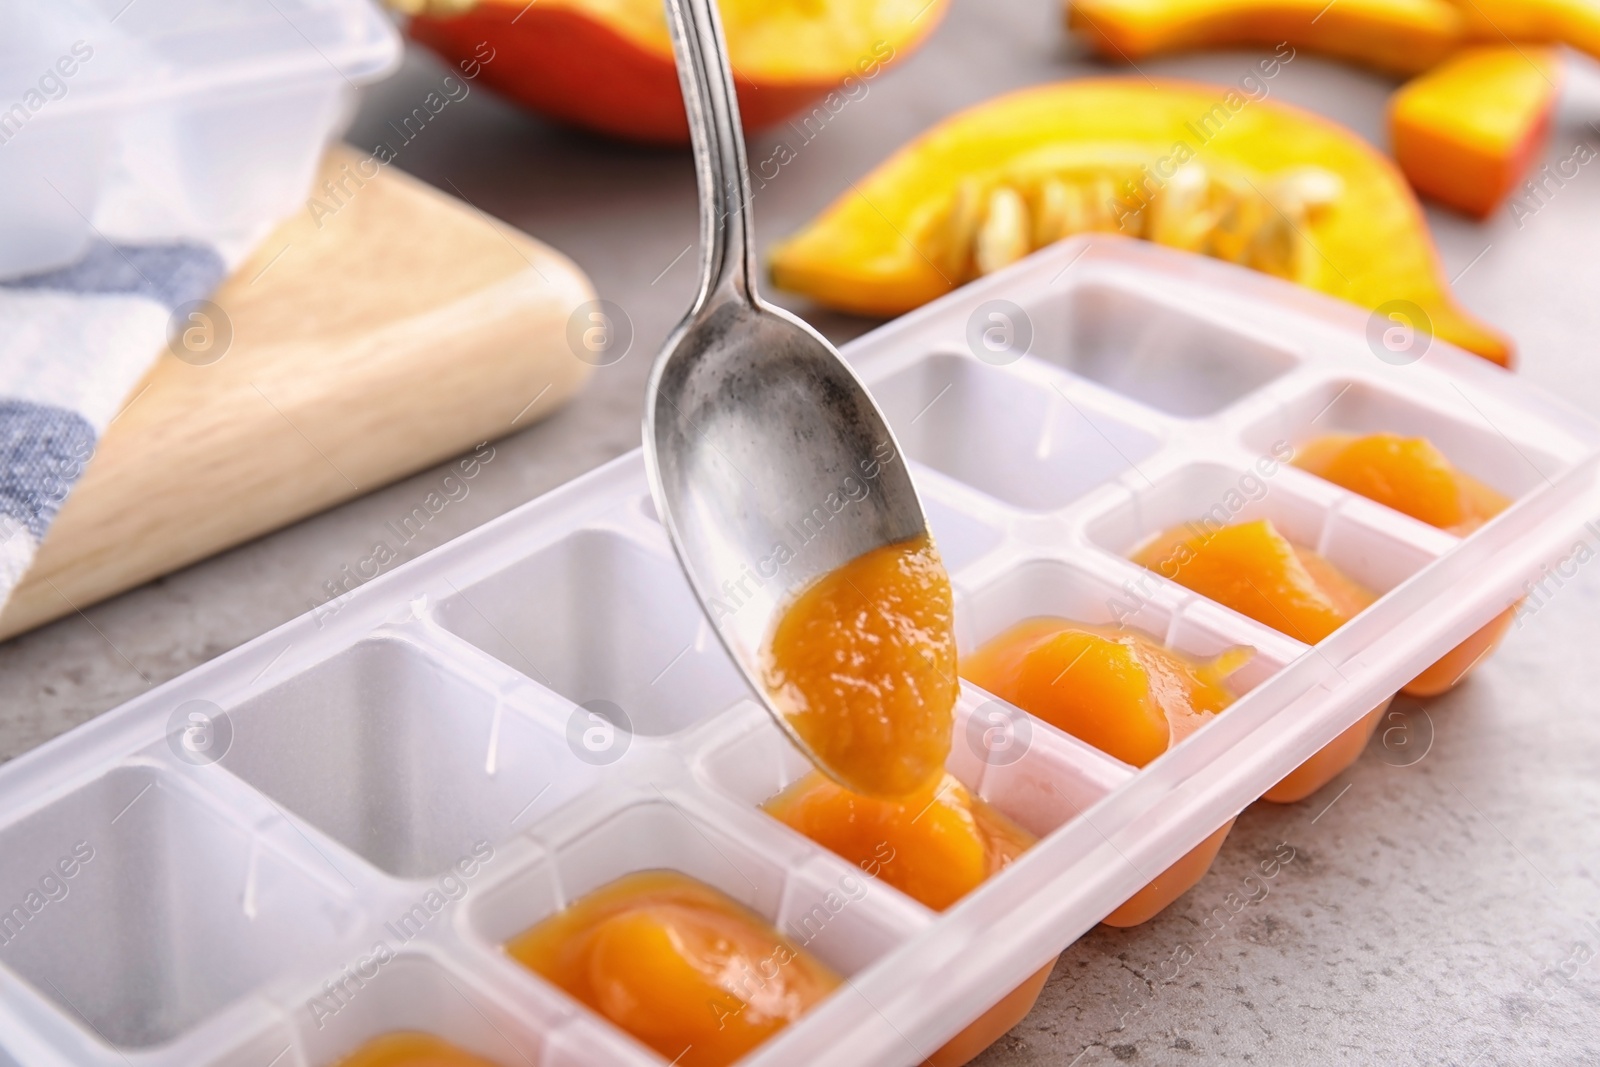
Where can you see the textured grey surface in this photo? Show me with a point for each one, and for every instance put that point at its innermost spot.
(1433, 915)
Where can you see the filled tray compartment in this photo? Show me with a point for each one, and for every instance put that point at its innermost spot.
(1373, 546)
(1031, 773)
(838, 915)
(396, 754)
(1448, 418)
(600, 616)
(1085, 590)
(668, 830)
(148, 910)
(1011, 432)
(1143, 604)
(413, 990)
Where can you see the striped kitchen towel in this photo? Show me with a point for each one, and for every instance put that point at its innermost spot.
(73, 343)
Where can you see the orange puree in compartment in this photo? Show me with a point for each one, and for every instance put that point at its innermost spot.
(1115, 689)
(1123, 694)
(686, 970)
(407, 1049)
(1407, 474)
(935, 846)
(863, 667)
(1255, 570)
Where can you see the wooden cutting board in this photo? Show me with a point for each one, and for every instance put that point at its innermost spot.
(400, 330)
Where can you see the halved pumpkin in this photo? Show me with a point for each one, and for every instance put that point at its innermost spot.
(607, 65)
(1197, 167)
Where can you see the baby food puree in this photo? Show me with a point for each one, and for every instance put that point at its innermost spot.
(1115, 689)
(935, 846)
(1121, 692)
(1407, 474)
(406, 1049)
(685, 969)
(1411, 475)
(1255, 570)
(863, 667)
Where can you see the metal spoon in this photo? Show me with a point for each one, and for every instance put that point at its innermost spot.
(769, 462)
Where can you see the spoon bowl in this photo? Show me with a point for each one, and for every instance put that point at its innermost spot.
(769, 461)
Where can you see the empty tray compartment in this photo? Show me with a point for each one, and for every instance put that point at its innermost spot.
(1021, 441)
(1170, 358)
(597, 616)
(399, 758)
(135, 907)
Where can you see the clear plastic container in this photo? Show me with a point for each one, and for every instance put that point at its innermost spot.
(330, 832)
(169, 119)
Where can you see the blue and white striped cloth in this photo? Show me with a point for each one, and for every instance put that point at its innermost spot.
(73, 344)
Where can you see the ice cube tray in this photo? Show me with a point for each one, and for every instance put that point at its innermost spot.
(194, 119)
(329, 833)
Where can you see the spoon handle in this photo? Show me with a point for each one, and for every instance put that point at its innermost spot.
(726, 241)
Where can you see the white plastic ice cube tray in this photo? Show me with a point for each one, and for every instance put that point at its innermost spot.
(194, 119)
(403, 790)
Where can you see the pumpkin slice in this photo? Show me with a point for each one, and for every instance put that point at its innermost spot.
(607, 65)
(1467, 131)
(1193, 166)
(1396, 36)
(1573, 22)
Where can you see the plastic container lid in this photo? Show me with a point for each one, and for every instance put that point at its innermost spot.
(170, 120)
(131, 52)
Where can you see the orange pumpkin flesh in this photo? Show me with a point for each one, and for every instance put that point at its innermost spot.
(1466, 132)
(884, 247)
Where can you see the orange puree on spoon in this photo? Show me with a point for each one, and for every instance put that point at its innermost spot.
(1407, 474)
(863, 668)
(935, 846)
(407, 1049)
(688, 971)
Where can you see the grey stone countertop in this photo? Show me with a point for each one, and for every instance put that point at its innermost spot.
(1440, 913)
